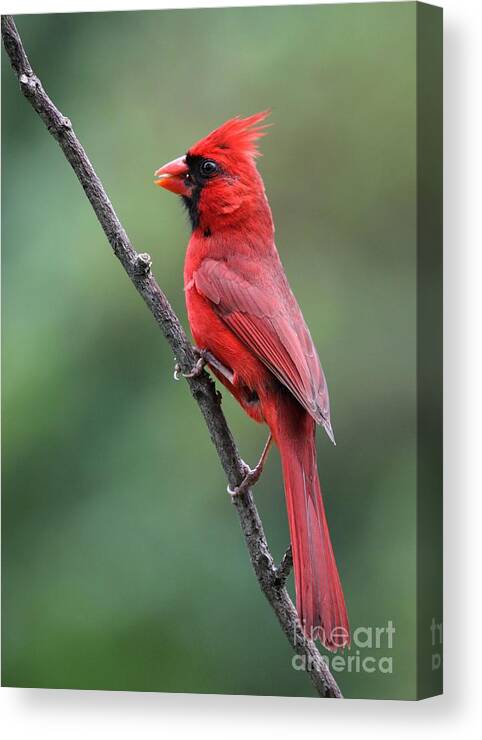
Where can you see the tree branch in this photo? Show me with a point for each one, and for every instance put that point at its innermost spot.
(138, 268)
(284, 568)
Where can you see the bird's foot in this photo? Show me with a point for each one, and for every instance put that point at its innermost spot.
(204, 358)
(196, 370)
(251, 476)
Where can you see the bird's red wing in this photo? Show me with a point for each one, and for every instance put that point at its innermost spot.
(266, 317)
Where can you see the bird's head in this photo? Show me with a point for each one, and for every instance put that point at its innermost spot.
(217, 177)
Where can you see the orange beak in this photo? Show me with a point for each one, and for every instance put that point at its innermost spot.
(172, 176)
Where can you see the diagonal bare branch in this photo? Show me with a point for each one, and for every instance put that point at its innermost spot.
(138, 268)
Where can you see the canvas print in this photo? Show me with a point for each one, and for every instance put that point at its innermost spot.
(269, 182)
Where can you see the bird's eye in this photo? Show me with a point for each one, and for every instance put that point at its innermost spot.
(208, 168)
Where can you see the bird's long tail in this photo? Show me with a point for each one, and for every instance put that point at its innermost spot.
(319, 596)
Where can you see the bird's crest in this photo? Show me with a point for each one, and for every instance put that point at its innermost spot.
(236, 136)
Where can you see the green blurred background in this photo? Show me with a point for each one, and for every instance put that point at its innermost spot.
(123, 562)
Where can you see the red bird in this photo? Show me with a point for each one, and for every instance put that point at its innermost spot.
(246, 321)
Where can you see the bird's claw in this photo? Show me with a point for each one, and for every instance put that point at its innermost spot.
(251, 477)
(195, 372)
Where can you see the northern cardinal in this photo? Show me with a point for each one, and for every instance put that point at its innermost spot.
(247, 322)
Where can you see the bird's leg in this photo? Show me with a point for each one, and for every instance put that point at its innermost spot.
(252, 475)
(222, 369)
(204, 358)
